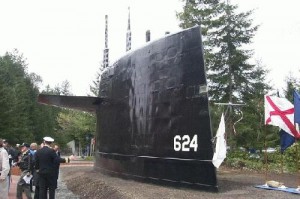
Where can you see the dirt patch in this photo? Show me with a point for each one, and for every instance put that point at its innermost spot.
(84, 182)
(89, 184)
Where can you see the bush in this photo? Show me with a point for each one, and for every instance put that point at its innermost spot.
(288, 162)
(89, 158)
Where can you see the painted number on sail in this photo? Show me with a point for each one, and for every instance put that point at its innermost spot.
(185, 143)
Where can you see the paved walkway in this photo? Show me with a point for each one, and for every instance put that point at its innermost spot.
(13, 187)
(61, 193)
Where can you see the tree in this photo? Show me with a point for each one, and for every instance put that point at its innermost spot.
(94, 88)
(292, 84)
(17, 99)
(65, 88)
(22, 118)
(51, 113)
(76, 125)
(226, 34)
(251, 128)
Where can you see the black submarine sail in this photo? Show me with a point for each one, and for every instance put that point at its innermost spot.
(153, 119)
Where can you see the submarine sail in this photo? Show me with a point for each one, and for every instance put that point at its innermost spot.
(152, 112)
(159, 128)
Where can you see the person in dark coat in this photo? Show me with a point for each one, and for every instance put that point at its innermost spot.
(60, 160)
(45, 165)
(36, 176)
(26, 166)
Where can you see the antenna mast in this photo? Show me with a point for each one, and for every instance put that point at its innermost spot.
(106, 50)
(128, 34)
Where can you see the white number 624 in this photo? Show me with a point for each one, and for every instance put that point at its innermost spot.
(185, 143)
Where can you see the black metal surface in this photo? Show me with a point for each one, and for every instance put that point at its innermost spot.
(82, 103)
(151, 101)
(161, 96)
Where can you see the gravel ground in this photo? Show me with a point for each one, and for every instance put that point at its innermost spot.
(87, 183)
(63, 192)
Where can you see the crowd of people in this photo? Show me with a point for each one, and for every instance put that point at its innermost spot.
(39, 167)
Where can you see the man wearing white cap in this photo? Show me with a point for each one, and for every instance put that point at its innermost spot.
(45, 165)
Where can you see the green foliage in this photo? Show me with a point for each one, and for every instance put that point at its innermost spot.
(89, 158)
(288, 162)
(76, 125)
(231, 76)
(17, 93)
(237, 154)
(291, 158)
(23, 119)
(226, 33)
(242, 160)
(94, 88)
(292, 83)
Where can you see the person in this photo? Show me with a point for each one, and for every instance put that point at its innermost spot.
(60, 160)
(32, 150)
(36, 177)
(56, 149)
(26, 166)
(13, 157)
(45, 165)
(4, 169)
(18, 152)
(12, 153)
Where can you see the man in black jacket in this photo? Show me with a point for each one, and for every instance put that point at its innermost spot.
(26, 166)
(45, 165)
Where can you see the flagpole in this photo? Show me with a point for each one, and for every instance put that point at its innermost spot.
(297, 165)
(281, 161)
(266, 155)
(281, 158)
(296, 124)
(297, 154)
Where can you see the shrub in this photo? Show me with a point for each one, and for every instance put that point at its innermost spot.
(288, 162)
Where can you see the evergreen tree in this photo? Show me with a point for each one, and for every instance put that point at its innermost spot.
(76, 125)
(292, 84)
(23, 119)
(94, 88)
(226, 34)
(65, 88)
(16, 99)
(251, 128)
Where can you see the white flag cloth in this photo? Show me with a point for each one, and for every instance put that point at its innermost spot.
(280, 112)
(220, 152)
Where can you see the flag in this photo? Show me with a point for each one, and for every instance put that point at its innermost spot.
(220, 152)
(286, 140)
(297, 107)
(280, 112)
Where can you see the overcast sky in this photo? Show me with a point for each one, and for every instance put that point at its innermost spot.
(64, 39)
